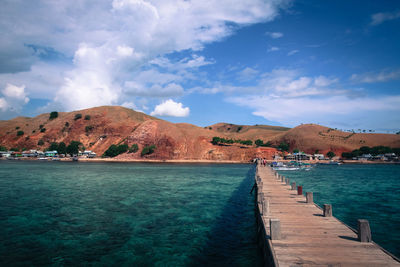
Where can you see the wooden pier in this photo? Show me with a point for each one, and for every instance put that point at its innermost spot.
(294, 231)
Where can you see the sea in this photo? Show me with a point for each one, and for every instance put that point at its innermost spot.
(127, 214)
(358, 191)
(162, 214)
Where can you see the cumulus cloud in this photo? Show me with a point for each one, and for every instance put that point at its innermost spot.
(110, 43)
(274, 35)
(14, 98)
(374, 77)
(170, 108)
(379, 18)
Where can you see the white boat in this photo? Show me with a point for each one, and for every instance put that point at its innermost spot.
(43, 159)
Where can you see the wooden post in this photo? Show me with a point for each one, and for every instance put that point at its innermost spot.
(327, 210)
(260, 197)
(364, 231)
(283, 179)
(300, 190)
(309, 197)
(294, 186)
(287, 181)
(275, 229)
(265, 207)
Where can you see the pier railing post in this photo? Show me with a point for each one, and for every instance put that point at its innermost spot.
(260, 197)
(364, 231)
(275, 229)
(309, 197)
(327, 210)
(283, 179)
(294, 186)
(300, 190)
(265, 207)
(287, 181)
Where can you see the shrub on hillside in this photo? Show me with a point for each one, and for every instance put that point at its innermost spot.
(115, 150)
(134, 148)
(87, 117)
(20, 133)
(42, 130)
(53, 115)
(147, 150)
(78, 116)
(40, 142)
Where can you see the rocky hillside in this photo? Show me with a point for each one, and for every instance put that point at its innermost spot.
(98, 128)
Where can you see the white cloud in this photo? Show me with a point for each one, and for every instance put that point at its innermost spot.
(373, 77)
(170, 108)
(379, 18)
(248, 74)
(111, 43)
(274, 35)
(324, 81)
(291, 53)
(14, 98)
(124, 51)
(273, 49)
(293, 111)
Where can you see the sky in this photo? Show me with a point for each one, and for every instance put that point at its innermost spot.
(276, 62)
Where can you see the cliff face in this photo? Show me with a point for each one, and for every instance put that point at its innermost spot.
(98, 128)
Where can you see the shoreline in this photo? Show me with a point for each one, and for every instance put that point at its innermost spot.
(184, 161)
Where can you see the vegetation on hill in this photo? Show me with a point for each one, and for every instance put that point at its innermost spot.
(376, 150)
(53, 115)
(260, 142)
(219, 140)
(147, 150)
(134, 148)
(115, 150)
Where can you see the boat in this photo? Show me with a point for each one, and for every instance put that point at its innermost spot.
(75, 158)
(291, 166)
(43, 159)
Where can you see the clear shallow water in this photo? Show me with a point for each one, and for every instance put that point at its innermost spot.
(113, 214)
(370, 191)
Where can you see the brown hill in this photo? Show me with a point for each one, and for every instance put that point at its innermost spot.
(312, 137)
(98, 128)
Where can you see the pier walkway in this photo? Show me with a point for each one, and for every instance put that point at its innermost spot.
(296, 233)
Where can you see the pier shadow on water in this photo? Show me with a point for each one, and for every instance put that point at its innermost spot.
(229, 242)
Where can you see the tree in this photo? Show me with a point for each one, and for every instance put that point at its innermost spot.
(20, 133)
(87, 117)
(147, 150)
(78, 116)
(89, 128)
(73, 147)
(347, 155)
(216, 140)
(42, 130)
(283, 146)
(53, 115)
(330, 154)
(259, 142)
(296, 150)
(3, 148)
(53, 146)
(134, 148)
(115, 150)
(62, 148)
(67, 124)
(40, 142)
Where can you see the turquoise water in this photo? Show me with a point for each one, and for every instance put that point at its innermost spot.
(370, 191)
(113, 214)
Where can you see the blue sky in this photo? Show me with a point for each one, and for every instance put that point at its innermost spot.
(280, 62)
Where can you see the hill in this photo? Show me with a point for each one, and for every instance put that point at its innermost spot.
(98, 128)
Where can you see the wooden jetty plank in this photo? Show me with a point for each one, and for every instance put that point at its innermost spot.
(307, 238)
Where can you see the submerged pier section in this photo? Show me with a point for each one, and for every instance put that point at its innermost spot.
(295, 232)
